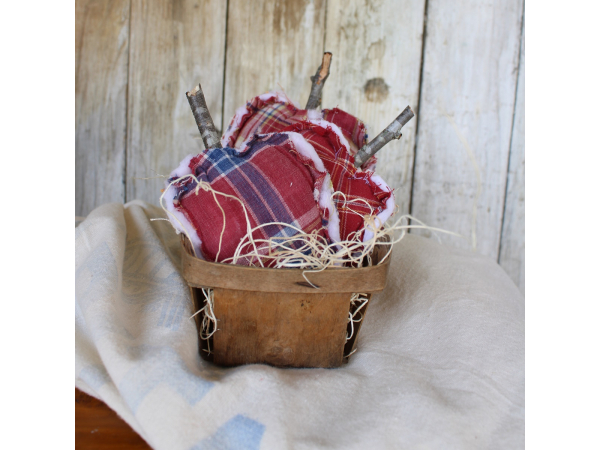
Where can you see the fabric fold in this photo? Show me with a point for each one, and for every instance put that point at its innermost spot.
(440, 360)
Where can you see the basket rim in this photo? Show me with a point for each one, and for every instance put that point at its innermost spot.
(205, 274)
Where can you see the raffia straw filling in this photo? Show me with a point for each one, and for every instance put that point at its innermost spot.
(314, 254)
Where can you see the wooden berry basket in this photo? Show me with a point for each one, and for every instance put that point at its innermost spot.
(274, 316)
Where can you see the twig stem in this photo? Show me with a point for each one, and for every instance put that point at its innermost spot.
(318, 80)
(391, 132)
(206, 126)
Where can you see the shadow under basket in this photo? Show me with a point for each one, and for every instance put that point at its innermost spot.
(273, 316)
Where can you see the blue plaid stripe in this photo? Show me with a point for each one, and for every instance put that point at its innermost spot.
(248, 182)
(251, 185)
(219, 162)
(259, 142)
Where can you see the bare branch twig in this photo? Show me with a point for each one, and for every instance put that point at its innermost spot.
(207, 129)
(391, 132)
(318, 80)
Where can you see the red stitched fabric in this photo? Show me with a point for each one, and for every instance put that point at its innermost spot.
(273, 180)
(261, 115)
(362, 195)
(272, 112)
(269, 113)
(354, 130)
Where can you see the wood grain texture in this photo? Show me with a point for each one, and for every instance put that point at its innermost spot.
(512, 244)
(173, 46)
(376, 46)
(99, 427)
(101, 55)
(272, 44)
(469, 76)
(282, 329)
(467, 102)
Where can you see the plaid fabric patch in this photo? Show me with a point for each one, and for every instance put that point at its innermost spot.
(354, 130)
(272, 113)
(273, 181)
(261, 115)
(362, 195)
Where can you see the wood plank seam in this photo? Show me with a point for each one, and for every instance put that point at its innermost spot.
(469, 77)
(101, 49)
(512, 129)
(374, 75)
(282, 55)
(173, 46)
(325, 27)
(126, 143)
(415, 147)
(224, 69)
(128, 111)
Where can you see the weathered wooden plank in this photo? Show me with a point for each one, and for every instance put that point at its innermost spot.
(272, 45)
(465, 119)
(376, 48)
(512, 244)
(101, 54)
(173, 46)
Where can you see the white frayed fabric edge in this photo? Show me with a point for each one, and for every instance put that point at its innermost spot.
(306, 149)
(390, 203)
(234, 125)
(182, 170)
(337, 130)
(351, 149)
(187, 229)
(314, 114)
(383, 216)
(325, 196)
(326, 202)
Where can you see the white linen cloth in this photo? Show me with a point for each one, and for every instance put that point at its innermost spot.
(440, 360)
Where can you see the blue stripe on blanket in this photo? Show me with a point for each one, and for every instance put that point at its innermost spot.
(238, 433)
(95, 376)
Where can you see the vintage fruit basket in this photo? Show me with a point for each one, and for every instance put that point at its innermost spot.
(298, 187)
(274, 316)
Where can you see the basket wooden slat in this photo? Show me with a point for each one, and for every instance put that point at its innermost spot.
(200, 273)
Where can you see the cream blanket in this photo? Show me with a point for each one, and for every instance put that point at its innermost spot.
(440, 361)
